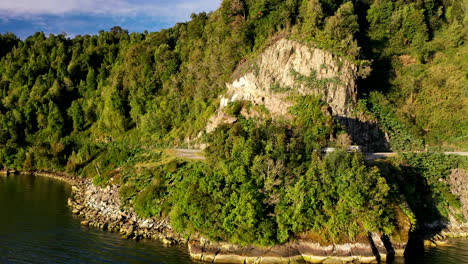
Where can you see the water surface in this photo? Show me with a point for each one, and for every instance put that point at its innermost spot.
(456, 252)
(36, 226)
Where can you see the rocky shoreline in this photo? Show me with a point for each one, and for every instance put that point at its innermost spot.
(100, 207)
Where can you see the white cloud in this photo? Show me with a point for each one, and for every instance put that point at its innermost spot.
(162, 8)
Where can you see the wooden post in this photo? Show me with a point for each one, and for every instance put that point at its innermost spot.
(97, 170)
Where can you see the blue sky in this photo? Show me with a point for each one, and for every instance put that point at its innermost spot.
(24, 17)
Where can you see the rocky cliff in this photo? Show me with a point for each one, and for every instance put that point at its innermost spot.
(288, 68)
(291, 68)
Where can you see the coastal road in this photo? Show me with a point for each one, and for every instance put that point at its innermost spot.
(457, 153)
(197, 154)
(194, 154)
(379, 155)
(383, 155)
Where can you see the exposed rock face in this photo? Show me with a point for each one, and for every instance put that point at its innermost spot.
(294, 252)
(458, 184)
(291, 67)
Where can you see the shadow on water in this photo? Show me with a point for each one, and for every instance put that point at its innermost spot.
(375, 251)
(414, 191)
(390, 250)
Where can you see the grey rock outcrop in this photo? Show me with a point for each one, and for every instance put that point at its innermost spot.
(458, 184)
(291, 67)
(287, 68)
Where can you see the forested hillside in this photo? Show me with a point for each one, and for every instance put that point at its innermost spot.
(107, 104)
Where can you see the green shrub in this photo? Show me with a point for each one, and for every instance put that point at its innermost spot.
(127, 193)
(148, 203)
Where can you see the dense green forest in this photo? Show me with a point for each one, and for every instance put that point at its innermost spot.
(110, 103)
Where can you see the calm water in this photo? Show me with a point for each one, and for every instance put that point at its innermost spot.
(37, 227)
(454, 253)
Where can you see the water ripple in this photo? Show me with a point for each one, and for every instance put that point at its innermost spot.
(38, 228)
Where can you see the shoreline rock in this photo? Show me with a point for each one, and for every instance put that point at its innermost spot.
(101, 208)
(299, 251)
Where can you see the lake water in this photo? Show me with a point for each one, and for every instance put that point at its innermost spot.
(456, 252)
(36, 226)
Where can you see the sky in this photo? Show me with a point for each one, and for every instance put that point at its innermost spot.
(74, 17)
